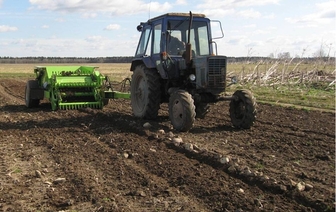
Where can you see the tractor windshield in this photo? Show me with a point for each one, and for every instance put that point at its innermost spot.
(199, 38)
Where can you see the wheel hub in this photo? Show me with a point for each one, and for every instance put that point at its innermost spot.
(178, 110)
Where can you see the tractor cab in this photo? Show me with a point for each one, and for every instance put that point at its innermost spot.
(164, 41)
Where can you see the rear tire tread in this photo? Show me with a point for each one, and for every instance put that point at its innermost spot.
(249, 115)
(189, 115)
(152, 78)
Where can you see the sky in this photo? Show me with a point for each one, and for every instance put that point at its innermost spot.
(106, 28)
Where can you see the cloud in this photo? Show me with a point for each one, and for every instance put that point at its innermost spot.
(238, 40)
(270, 16)
(218, 12)
(60, 20)
(248, 3)
(212, 4)
(328, 5)
(91, 46)
(114, 7)
(89, 15)
(296, 44)
(324, 15)
(250, 26)
(45, 27)
(251, 13)
(327, 9)
(181, 2)
(220, 8)
(112, 27)
(94, 38)
(260, 32)
(5, 28)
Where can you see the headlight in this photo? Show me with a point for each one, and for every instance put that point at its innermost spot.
(192, 77)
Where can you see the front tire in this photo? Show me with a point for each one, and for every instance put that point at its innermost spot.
(29, 92)
(145, 93)
(243, 109)
(181, 110)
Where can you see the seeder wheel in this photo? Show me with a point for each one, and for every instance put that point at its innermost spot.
(30, 102)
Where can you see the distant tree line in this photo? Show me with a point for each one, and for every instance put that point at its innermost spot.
(283, 57)
(122, 59)
(14, 60)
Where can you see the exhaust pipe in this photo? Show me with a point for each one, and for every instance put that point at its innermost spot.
(188, 47)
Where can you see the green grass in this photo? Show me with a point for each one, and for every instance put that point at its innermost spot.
(306, 97)
(106, 199)
(300, 84)
(17, 170)
(259, 166)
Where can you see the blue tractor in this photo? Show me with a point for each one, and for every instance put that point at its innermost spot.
(176, 62)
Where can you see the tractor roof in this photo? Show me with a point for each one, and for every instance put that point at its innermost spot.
(177, 15)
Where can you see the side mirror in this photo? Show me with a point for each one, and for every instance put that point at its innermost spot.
(217, 29)
(139, 28)
(234, 80)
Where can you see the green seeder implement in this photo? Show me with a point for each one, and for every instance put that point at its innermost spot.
(70, 87)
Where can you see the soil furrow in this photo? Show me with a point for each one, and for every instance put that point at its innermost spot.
(112, 162)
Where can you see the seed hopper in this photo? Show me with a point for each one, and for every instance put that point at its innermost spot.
(71, 87)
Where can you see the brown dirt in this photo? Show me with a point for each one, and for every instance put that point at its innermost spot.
(110, 162)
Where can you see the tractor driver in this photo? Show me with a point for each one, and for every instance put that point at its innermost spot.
(174, 45)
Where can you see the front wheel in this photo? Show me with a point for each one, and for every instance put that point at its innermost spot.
(243, 109)
(182, 110)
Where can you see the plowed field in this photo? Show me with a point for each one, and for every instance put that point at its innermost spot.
(107, 160)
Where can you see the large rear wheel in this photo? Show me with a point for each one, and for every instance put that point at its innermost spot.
(181, 110)
(145, 93)
(243, 109)
(29, 93)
